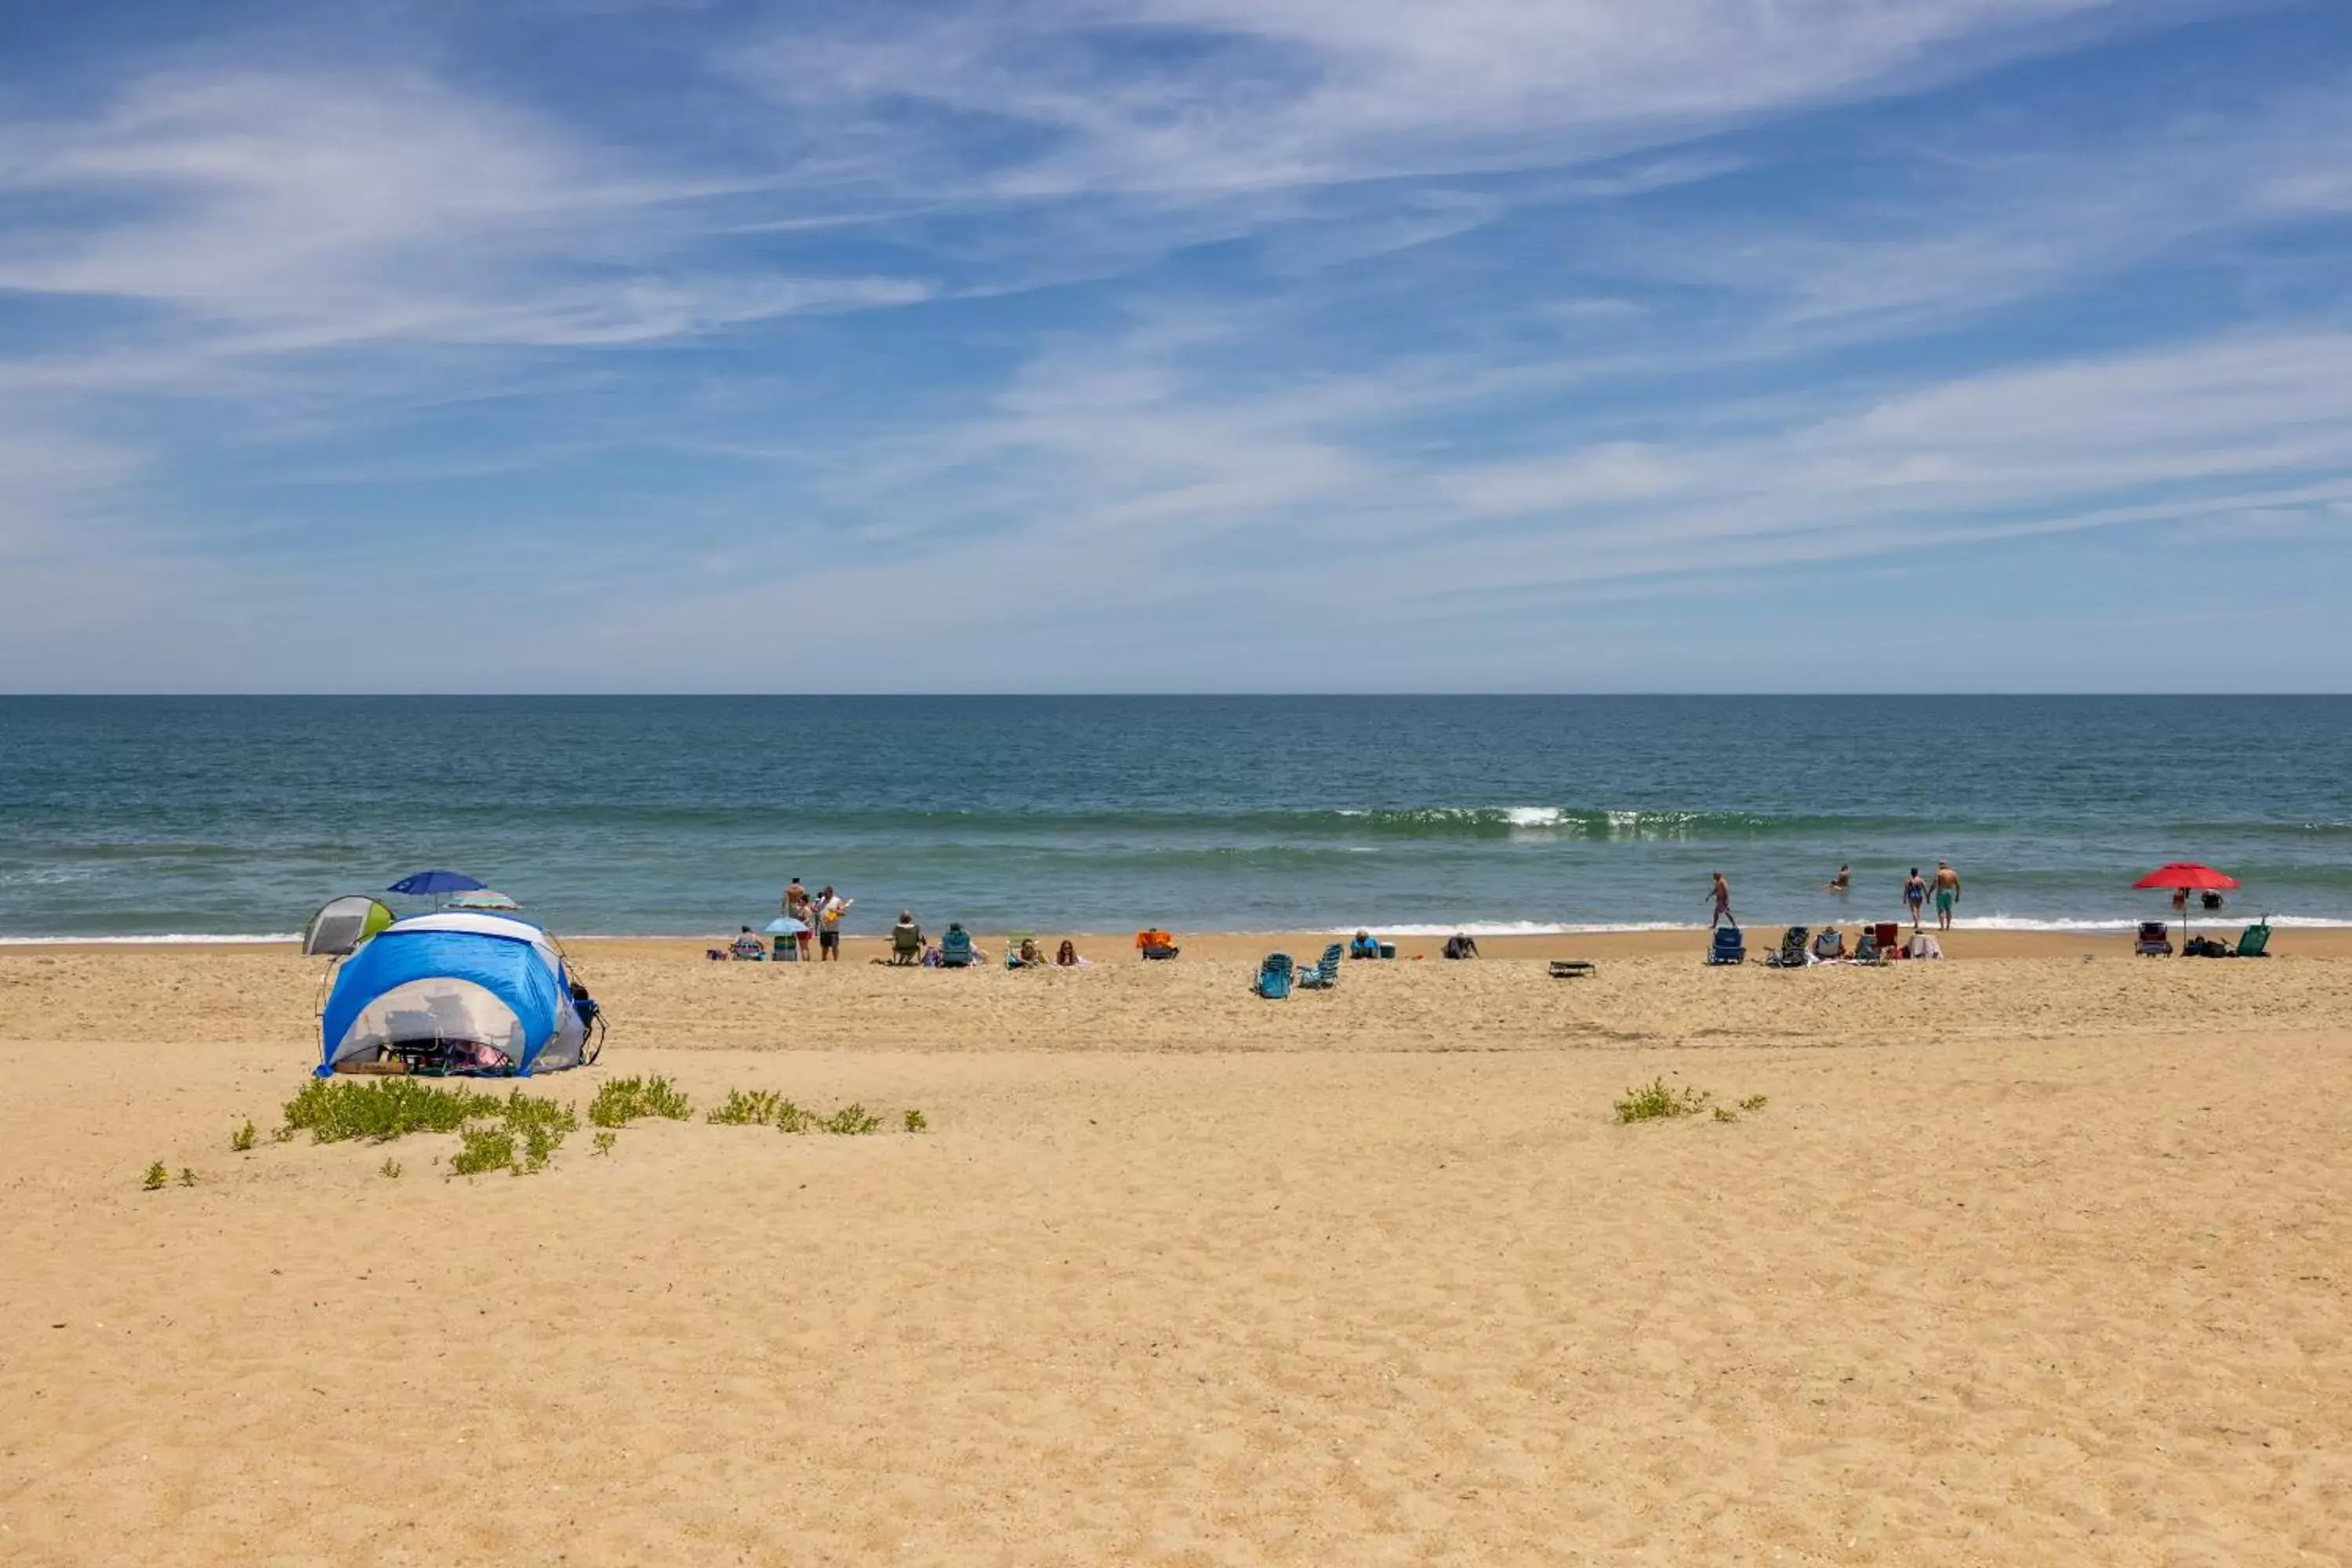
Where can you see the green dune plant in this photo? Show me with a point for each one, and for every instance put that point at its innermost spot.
(1656, 1101)
(156, 1177)
(753, 1108)
(380, 1110)
(625, 1099)
(850, 1121)
(243, 1140)
(518, 1132)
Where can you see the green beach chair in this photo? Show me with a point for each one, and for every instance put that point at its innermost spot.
(2256, 942)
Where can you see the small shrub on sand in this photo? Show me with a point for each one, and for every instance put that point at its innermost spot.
(1754, 1102)
(481, 1149)
(915, 1123)
(625, 1099)
(385, 1109)
(1656, 1101)
(542, 1124)
(791, 1117)
(243, 1140)
(603, 1143)
(156, 1177)
(1724, 1113)
(756, 1107)
(390, 1168)
(850, 1121)
(333, 1111)
(187, 1177)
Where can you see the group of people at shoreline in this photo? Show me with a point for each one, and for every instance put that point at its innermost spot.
(1944, 889)
(819, 916)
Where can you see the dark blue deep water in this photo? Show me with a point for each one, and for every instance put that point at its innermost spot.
(135, 815)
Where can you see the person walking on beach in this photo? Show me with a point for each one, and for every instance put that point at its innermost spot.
(1914, 894)
(1947, 893)
(1721, 894)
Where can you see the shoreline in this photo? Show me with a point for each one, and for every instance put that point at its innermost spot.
(1963, 943)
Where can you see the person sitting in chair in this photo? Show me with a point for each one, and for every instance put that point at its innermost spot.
(1363, 944)
(906, 939)
(748, 947)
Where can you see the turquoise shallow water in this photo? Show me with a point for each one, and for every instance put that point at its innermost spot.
(124, 816)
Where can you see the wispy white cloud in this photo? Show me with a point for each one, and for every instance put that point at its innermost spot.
(290, 211)
(1219, 96)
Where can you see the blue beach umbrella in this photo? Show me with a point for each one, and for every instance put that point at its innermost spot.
(787, 926)
(427, 884)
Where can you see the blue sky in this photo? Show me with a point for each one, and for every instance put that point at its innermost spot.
(1187, 345)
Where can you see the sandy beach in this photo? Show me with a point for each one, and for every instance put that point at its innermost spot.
(2037, 1256)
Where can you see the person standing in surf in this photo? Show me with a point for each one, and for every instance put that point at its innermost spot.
(1721, 894)
(1947, 893)
(1843, 881)
(1914, 894)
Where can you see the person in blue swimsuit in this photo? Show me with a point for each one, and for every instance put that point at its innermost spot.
(1914, 894)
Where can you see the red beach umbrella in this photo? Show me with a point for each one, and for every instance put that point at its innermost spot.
(2189, 877)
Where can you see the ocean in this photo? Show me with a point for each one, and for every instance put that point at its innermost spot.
(237, 816)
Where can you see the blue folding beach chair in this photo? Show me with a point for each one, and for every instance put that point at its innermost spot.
(1729, 946)
(955, 949)
(1274, 977)
(1326, 973)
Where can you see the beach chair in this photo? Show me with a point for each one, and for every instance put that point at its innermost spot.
(1865, 947)
(1274, 976)
(1326, 973)
(2155, 939)
(1889, 935)
(2255, 943)
(1155, 944)
(955, 949)
(906, 944)
(1829, 945)
(1792, 956)
(1729, 947)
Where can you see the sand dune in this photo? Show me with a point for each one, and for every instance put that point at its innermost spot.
(2024, 1260)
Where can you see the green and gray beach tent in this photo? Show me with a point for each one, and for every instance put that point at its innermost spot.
(342, 925)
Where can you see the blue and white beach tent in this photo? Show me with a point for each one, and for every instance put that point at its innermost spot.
(476, 993)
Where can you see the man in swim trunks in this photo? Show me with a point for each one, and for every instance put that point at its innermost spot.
(1915, 893)
(1721, 894)
(1947, 893)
